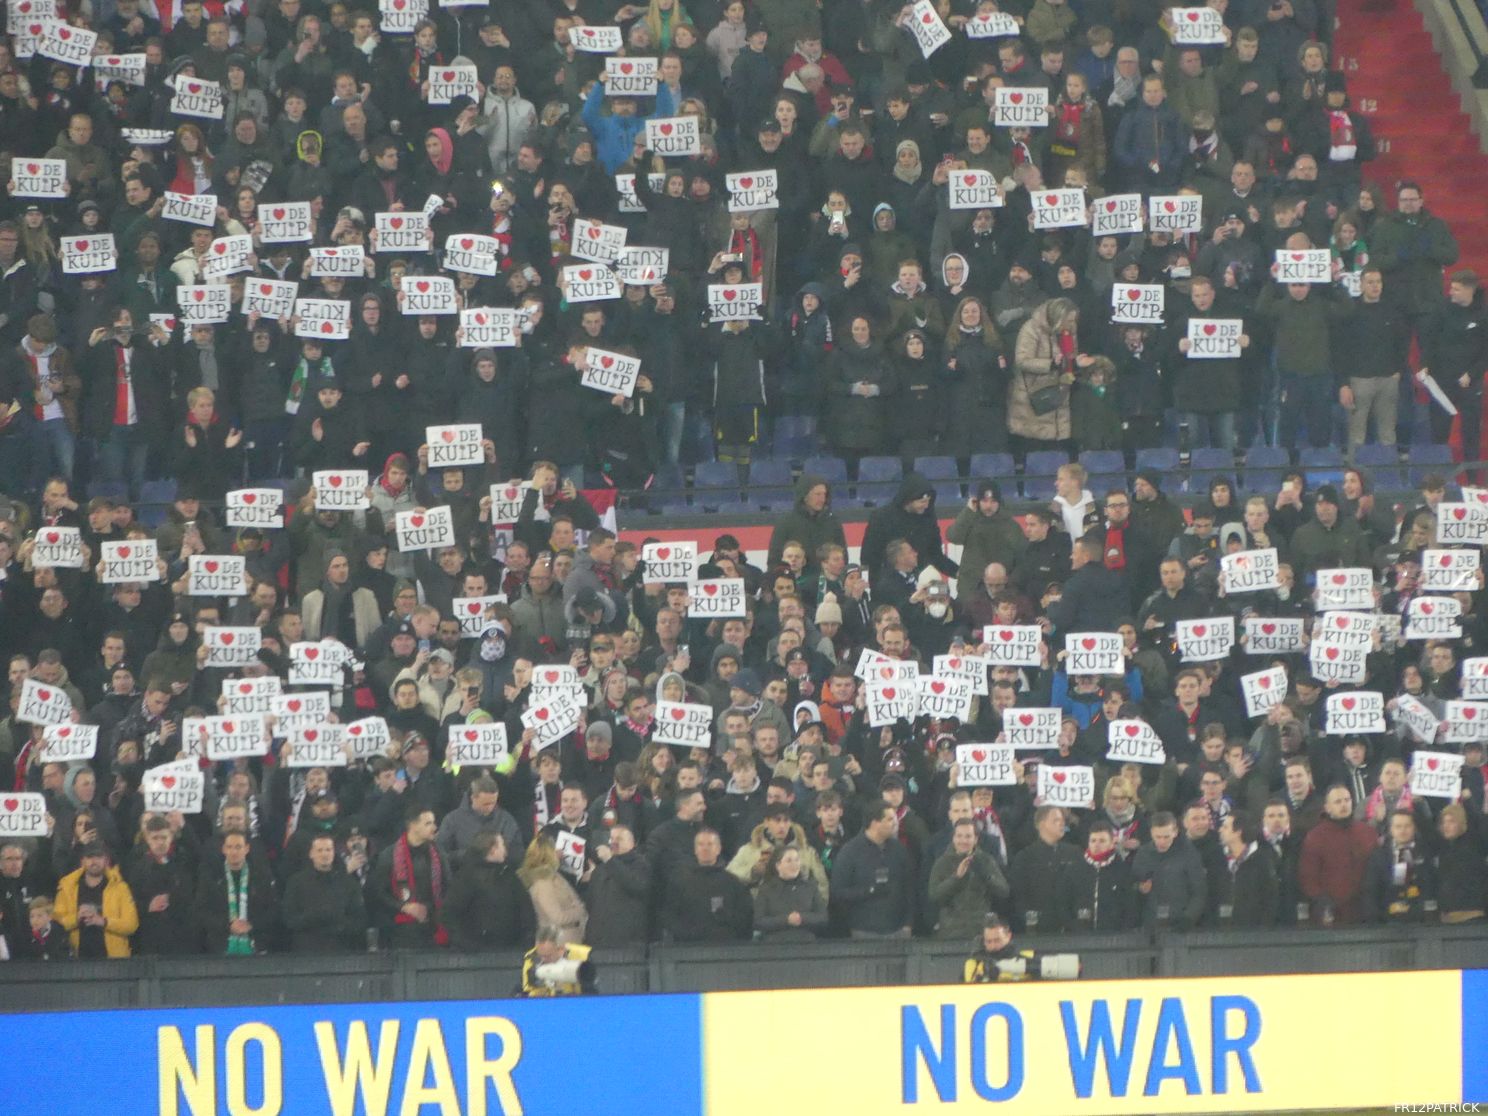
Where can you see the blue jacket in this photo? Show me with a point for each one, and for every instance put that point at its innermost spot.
(614, 136)
(1151, 134)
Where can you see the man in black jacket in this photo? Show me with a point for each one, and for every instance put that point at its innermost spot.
(162, 881)
(1455, 344)
(1037, 870)
(323, 907)
(1248, 892)
(707, 903)
(873, 880)
(1096, 893)
(1045, 560)
(236, 905)
(1094, 598)
(619, 892)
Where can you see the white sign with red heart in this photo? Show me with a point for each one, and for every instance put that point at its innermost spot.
(1059, 209)
(328, 319)
(317, 663)
(974, 189)
(1116, 215)
(673, 135)
(1020, 106)
(270, 298)
(1356, 712)
(367, 738)
(304, 709)
(1214, 338)
(984, 765)
(69, 743)
(448, 82)
(1197, 26)
(286, 222)
(991, 25)
(643, 264)
(1436, 775)
(126, 561)
(204, 303)
(924, 23)
(1137, 303)
(683, 724)
(216, 575)
(472, 613)
(127, 68)
(1070, 787)
(84, 255)
(1413, 715)
(1033, 727)
(664, 562)
(471, 253)
(486, 327)
(889, 702)
(597, 242)
(625, 187)
(190, 209)
(18, 15)
(1250, 571)
(38, 178)
(1264, 690)
(1179, 214)
(341, 490)
(454, 445)
(401, 232)
(1450, 571)
(1474, 678)
(1205, 640)
(629, 77)
(1433, 618)
(589, 282)
(1462, 523)
(401, 17)
(598, 39)
(195, 96)
(1304, 265)
(1465, 721)
(428, 294)
(227, 737)
(1345, 588)
(1016, 645)
(507, 500)
(610, 373)
(172, 788)
(971, 667)
(429, 529)
(721, 598)
(227, 255)
(1094, 653)
(733, 302)
(232, 647)
(22, 814)
(573, 853)
(551, 721)
(946, 696)
(250, 695)
(875, 667)
(58, 548)
(753, 190)
(1133, 741)
(316, 746)
(345, 261)
(477, 745)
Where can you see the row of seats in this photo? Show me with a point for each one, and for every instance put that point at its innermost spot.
(767, 484)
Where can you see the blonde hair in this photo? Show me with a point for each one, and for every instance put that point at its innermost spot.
(540, 862)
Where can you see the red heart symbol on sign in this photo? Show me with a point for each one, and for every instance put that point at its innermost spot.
(928, 17)
(32, 168)
(35, 29)
(12, 804)
(1133, 730)
(193, 87)
(665, 129)
(1446, 560)
(1088, 644)
(466, 243)
(472, 736)
(978, 754)
(969, 179)
(52, 536)
(480, 319)
(1193, 17)
(1209, 329)
(447, 435)
(937, 687)
(311, 735)
(1051, 199)
(889, 692)
(1015, 98)
(711, 590)
(473, 608)
(113, 61)
(1170, 207)
(329, 251)
(1347, 703)
(1459, 513)
(45, 695)
(416, 520)
(64, 733)
(1339, 579)
(586, 275)
(1432, 764)
(1297, 257)
(279, 214)
(327, 327)
(1332, 652)
(1133, 294)
(955, 664)
(227, 726)
(678, 714)
(608, 362)
(589, 32)
(246, 688)
(125, 552)
(511, 493)
(395, 222)
(1264, 681)
(227, 638)
(1005, 634)
(1110, 207)
(336, 481)
(593, 232)
(550, 676)
(353, 730)
(82, 245)
(1427, 607)
(198, 294)
(663, 553)
(312, 653)
(626, 67)
(728, 295)
(1025, 719)
(168, 781)
(1059, 776)
(1199, 630)
(265, 289)
(1469, 713)
(211, 566)
(1342, 622)
(293, 706)
(746, 183)
(250, 497)
(542, 714)
(423, 286)
(219, 248)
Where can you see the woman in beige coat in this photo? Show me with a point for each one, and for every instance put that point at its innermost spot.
(1047, 355)
(553, 897)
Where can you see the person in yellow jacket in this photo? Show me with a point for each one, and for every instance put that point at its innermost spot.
(553, 968)
(96, 908)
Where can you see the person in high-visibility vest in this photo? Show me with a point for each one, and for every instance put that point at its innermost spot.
(999, 962)
(552, 968)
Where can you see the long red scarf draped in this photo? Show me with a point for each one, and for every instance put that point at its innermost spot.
(403, 881)
(746, 243)
(121, 387)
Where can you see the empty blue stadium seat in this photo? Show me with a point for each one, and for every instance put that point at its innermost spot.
(1103, 461)
(1044, 463)
(1320, 457)
(831, 469)
(1267, 457)
(876, 493)
(948, 494)
(1162, 458)
(992, 466)
(880, 469)
(770, 471)
(773, 499)
(937, 468)
(715, 474)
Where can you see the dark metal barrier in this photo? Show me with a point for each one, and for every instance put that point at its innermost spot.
(396, 976)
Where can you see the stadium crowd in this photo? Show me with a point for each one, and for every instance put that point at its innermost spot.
(904, 325)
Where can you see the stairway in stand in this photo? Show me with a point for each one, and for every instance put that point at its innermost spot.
(1397, 79)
